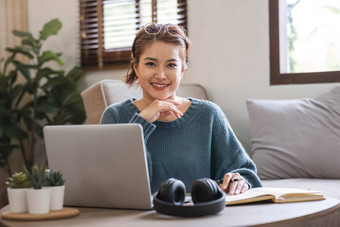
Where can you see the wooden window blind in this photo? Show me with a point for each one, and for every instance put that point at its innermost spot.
(108, 27)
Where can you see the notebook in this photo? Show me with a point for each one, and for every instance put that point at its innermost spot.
(103, 165)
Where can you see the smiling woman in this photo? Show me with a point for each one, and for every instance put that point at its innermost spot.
(185, 138)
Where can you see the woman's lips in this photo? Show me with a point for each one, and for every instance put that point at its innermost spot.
(159, 86)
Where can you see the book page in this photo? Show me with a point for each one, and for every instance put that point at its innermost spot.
(248, 196)
(282, 192)
(275, 194)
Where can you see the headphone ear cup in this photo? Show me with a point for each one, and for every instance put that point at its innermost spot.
(172, 191)
(204, 190)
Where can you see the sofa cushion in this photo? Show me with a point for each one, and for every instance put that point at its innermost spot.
(329, 187)
(297, 138)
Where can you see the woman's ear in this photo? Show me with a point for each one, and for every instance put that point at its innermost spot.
(135, 67)
(184, 68)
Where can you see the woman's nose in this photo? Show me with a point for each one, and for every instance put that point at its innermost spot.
(160, 74)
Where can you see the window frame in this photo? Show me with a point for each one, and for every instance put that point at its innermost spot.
(118, 57)
(278, 78)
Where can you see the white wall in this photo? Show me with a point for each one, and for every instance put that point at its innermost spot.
(229, 57)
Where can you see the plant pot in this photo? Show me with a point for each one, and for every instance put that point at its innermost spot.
(38, 200)
(17, 200)
(57, 197)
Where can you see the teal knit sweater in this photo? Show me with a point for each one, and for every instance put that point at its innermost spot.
(199, 144)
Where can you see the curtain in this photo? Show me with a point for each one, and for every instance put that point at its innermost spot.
(13, 15)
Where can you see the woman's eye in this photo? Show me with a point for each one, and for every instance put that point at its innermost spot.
(172, 65)
(150, 64)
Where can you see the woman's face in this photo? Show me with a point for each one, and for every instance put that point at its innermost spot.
(160, 70)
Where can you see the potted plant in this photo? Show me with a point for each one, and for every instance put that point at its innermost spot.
(17, 185)
(35, 93)
(38, 198)
(54, 180)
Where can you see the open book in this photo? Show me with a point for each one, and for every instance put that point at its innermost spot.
(276, 195)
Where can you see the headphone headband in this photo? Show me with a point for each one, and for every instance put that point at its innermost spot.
(199, 209)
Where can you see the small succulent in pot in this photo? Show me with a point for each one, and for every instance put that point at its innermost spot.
(18, 180)
(54, 178)
(17, 186)
(38, 198)
(36, 176)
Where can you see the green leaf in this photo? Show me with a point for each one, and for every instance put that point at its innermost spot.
(50, 28)
(28, 42)
(6, 149)
(24, 70)
(48, 56)
(8, 61)
(23, 34)
(3, 81)
(76, 73)
(26, 115)
(334, 9)
(46, 72)
(72, 99)
(20, 51)
(16, 91)
(36, 50)
(12, 76)
(29, 66)
(46, 108)
(7, 146)
(14, 131)
(55, 82)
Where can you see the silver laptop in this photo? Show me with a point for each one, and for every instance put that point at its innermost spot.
(103, 165)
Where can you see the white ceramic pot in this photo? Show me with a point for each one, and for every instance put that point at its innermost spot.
(17, 200)
(57, 197)
(38, 200)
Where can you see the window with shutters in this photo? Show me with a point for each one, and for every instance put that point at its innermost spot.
(108, 27)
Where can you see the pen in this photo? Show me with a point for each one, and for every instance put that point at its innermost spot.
(231, 181)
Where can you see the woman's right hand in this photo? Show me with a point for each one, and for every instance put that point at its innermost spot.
(159, 109)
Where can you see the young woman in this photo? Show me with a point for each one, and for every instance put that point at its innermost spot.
(186, 138)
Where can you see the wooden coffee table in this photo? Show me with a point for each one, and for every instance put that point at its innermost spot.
(241, 215)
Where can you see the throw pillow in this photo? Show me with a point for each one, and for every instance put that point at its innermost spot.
(297, 138)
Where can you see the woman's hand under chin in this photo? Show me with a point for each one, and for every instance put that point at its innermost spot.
(159, 109)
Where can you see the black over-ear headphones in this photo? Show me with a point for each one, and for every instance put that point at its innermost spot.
(207, 196)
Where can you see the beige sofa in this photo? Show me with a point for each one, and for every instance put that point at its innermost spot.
(97, 97)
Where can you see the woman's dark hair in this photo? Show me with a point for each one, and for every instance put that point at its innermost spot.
(149, 33)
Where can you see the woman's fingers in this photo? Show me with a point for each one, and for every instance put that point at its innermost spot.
(226, 180)
(234, 184)
(167, 106)
(239, 185)
(244, 188)
(176, 111)
(177, 103)
(160, 108)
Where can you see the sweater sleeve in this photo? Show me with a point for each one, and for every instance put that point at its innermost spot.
(228, 155)
(110, 117)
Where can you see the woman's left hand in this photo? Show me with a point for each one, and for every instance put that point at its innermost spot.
(234, 184)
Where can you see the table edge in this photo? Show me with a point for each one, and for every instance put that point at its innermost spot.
(301, 220)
